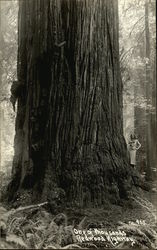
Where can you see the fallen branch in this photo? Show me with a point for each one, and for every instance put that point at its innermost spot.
(19, 209)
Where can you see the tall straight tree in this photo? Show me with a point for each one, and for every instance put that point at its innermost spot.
(69, 133)
(150, 96)
(0, 88)
(1, 72)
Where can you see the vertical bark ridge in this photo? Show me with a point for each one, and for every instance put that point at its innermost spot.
(72, 125)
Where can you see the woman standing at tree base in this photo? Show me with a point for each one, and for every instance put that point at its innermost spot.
(133, 146)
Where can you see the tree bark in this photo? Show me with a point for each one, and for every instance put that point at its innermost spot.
(150, 117)
(69, 130)
(0, 88)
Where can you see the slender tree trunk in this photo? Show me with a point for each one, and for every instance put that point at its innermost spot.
(0, 89)
(155, 100)
(149, 88)
(155, 105)
(153, 116)
(69, 133)
(140, 112)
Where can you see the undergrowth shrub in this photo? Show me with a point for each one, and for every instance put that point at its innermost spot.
(32, 227)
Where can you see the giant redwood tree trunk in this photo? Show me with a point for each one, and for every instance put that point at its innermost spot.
(69, 135)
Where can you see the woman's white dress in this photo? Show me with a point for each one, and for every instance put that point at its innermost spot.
(133, 147)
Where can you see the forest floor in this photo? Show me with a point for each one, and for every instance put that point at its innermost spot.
(131, 224)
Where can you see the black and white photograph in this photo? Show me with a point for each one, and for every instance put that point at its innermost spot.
(78, 124)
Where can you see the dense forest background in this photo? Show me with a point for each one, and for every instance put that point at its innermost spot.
(8, 53)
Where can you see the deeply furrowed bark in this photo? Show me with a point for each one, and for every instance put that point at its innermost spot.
(69, 135)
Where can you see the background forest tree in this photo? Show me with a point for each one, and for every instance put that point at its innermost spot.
(8, 63)
(137, 45)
